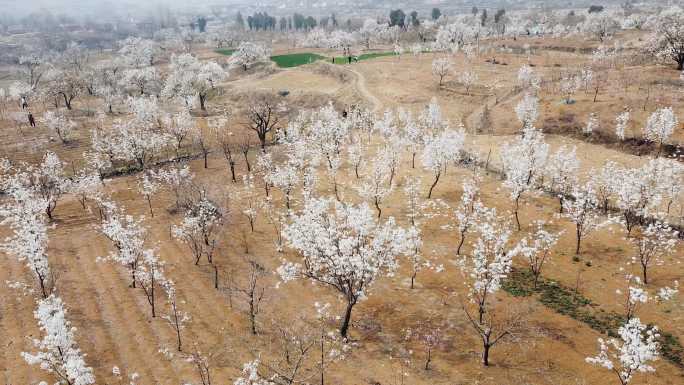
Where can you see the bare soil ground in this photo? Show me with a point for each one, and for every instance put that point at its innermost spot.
(113, 322)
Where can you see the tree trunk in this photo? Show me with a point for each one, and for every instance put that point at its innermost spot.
(67, 102)
(434, 184)
(485, 354)
(202, 100)
(429, 359)
(579, 239)
(347, 319)
(249, 166)
(644, 273)
(132, 266)
(41, 280)
(460, 243)
(517, 205)
(178, 337)
(377, 207)
(149, 203)
(232, 171)
(152, 302)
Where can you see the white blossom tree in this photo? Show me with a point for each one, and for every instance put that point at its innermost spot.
(127, 234)
(638, 345)
(667, 40)
(562, 170)
(248, 54)
(528, 79)
(24, 215)
(57, 122)
(285, 177)
(527, 110)
(523, 162)
(251, 376)
(635, 295)
(440, 150)
(601, 25)
(660, 126)
(441, 67)
(199, 229)
(175, 318)
(190, 77)
(86, 186)
(58, 352)
(377, 185)
(138, 52)
(49, 181)
(179, 126)
(484, 270)
(131, 141)
(145, 80)
(569, 84)
(581, 209)
(468, 211)
(344, 247)
(467, 78)
(148, 187)
(621, 122)
(178, 179)
(652, 244)
(151, 276)
(592, 124)
(536, 252)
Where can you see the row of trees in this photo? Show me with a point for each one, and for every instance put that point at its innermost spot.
(346, 246)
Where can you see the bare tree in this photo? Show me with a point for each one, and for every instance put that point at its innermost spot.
(202, 144)
(245, 145)
(229, 148)
(263, 116)
(252, 291)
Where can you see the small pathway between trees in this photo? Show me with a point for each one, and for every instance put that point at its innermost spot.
(360, 86)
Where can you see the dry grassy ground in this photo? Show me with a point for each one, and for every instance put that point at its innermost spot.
(113, 320)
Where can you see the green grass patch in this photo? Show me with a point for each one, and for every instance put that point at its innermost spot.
(671, 349)
(365, 56)
(295, 59)
(225, 51)
(566, 301)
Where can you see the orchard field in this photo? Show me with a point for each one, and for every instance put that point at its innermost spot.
(452, 208)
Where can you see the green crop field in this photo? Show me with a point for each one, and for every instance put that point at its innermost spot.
(295, 59)
(298, 59)
(365, 56)
(225, 51)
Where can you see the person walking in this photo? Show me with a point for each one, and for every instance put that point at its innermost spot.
(24, 104)
(31, 119)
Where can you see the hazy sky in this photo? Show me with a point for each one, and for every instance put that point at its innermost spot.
(75, 7)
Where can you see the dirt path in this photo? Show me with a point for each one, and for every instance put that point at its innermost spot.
(472, 121)
(360, 86)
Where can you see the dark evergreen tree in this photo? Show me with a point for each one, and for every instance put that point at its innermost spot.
(414, 19)
(436, 13)
(397, 18)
